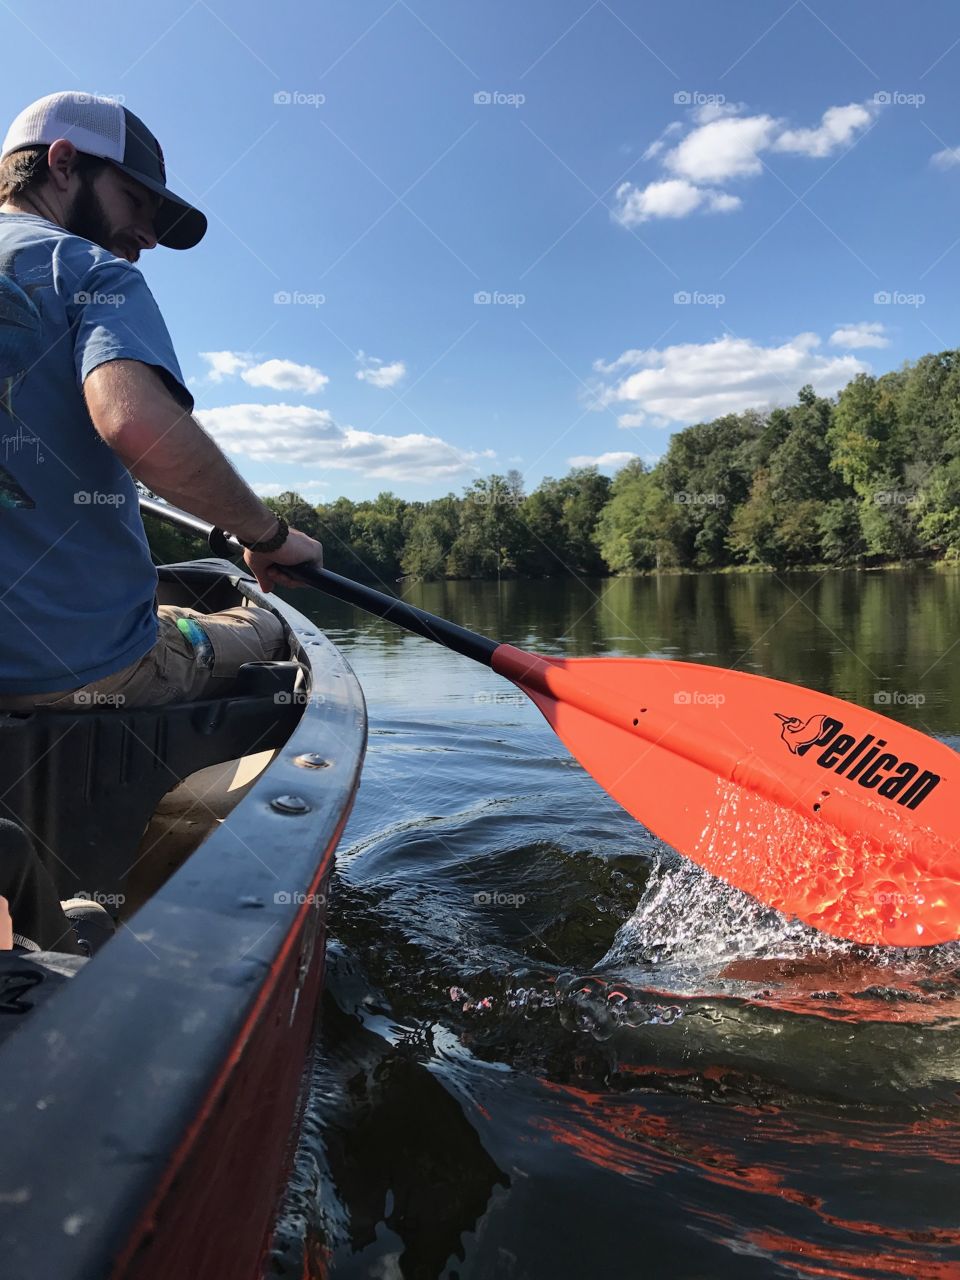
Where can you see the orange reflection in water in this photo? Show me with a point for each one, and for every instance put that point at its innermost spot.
(771, 1159)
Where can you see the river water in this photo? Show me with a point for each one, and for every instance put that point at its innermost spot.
(552, 1048)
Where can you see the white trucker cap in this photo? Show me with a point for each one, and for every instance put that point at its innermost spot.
(104, 127)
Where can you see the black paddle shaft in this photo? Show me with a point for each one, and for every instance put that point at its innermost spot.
(449, 634)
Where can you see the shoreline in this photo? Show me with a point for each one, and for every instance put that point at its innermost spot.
(687, 572)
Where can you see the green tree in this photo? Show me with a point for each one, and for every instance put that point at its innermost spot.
(707, 471)
(782, 521)
(492, 539)
(377, 536)
(335, 525)
(939, 511)
(638, 528)
(430, 532)
(561, 517)
(928, 407)
(296, 511)
(841, 536)
(863, 438)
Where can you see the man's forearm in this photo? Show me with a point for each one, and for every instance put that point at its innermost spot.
(190, 471)
(169, 451)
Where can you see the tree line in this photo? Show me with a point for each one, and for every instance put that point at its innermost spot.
(868, 476)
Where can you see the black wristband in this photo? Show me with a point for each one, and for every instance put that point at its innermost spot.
(269, 544)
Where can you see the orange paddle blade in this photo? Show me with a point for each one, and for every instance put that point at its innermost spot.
(828, 811)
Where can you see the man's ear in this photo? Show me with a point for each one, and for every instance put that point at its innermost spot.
(61, 158)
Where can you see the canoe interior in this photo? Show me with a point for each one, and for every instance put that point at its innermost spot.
(180, 1047)
(183, 819)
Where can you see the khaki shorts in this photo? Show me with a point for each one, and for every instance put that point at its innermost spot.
(170, 671)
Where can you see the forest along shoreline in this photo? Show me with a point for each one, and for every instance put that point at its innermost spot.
(868, 478)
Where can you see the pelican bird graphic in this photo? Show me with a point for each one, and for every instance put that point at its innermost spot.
(798, 733)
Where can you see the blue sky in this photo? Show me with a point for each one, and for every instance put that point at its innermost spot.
(673, 211)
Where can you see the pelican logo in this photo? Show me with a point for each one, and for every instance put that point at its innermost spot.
(863, 761)
(798, 733)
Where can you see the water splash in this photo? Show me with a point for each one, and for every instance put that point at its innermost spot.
(693, 945)
(689, 917)
(693, 935)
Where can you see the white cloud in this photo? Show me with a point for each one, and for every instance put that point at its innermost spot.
(865, 334)
(724, 145)
(837, 127)
(285, 375)
(947, 159)
(225, 364)
(302, 435)
(673, 198)
(723, 149)
(694, 382)
(278, 375)
(608, 461)
(379, 374)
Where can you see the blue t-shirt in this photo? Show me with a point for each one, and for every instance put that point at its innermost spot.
(77, 584)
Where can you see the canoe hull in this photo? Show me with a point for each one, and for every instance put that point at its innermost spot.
(237, 1154)
(148, 1110)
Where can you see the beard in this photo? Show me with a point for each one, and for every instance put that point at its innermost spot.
(88, 218)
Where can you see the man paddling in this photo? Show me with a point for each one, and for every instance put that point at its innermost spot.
(91, 396)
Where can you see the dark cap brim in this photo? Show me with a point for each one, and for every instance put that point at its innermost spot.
(178, 224)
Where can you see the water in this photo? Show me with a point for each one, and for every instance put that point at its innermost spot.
(550, 1047)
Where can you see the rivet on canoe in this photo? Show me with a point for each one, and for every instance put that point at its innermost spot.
(311, 760)
(290, 804)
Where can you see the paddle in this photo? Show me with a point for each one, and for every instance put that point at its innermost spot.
(822, 809)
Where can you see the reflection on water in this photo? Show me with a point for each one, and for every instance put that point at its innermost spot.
(552, 1048)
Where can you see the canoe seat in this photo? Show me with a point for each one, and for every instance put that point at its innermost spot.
(85, 786)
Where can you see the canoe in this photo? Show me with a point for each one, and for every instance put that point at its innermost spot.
(149, 1102)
